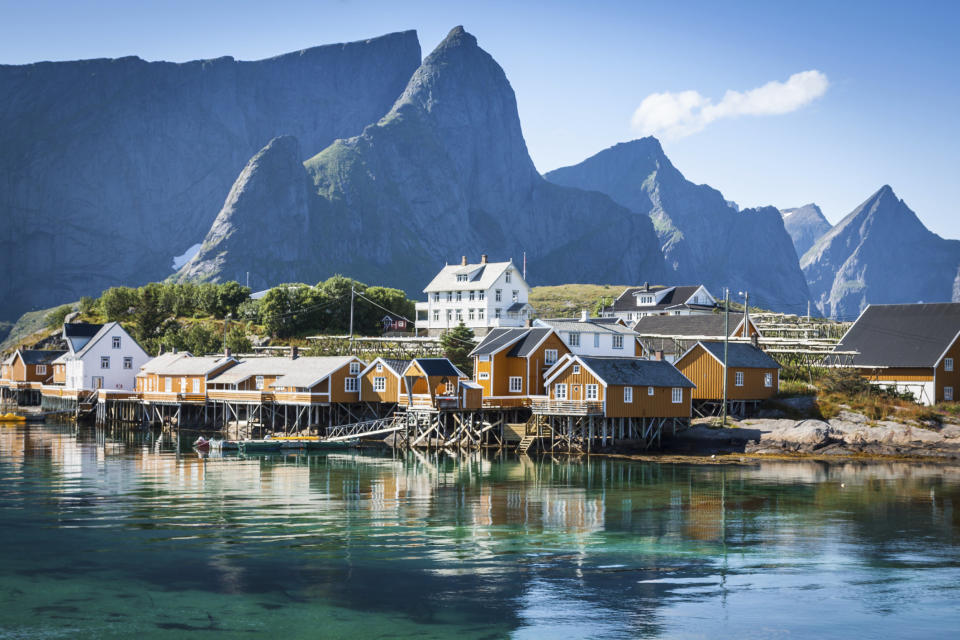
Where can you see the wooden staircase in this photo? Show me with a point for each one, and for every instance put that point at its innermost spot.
(525, 443)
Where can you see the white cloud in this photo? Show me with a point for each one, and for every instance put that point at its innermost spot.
(675, 115)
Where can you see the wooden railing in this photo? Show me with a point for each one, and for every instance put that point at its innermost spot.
(567, 407)
(497, 403)
(289, 397)
(234, 395)
(173, 396)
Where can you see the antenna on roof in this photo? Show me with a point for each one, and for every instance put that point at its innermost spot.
(524, 265)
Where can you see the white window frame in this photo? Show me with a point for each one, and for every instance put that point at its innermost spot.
(768, 379)
(350, 384)
(618, 342)
(104, 362)
(738, 378)
(948, 364)
(379, 366)
(650, 391)
(560, 391)
(592, 392)
(627, 395)
(128, 362)
(41, 369)
(436, 315)
(483, 375)
(676, 396)
(461, 277)
(258, 383)
(459, 296)
(481, 295)
(576, 369)
(948, 394)
(550, 356)
(480, 314)
(380, 383)
(596, 340)
(196, 385)
(516, 384)
(498, 295)
(573, 337)
(471, 314)
(183, 384)
(354, 368)
(115, 342)
(497, 313)
(508, 276)
(473, 295)
(168, 384)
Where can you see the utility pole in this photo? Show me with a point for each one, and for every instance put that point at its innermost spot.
(746, 314)
(808, 310)
(352, 292)
(248, 279)
(226, 324)
(726, 342)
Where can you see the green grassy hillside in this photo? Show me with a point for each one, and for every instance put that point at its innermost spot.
(567, 300)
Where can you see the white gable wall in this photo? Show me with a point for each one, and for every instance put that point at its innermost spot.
(82, 371)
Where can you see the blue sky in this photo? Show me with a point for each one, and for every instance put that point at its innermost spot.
(888, 115)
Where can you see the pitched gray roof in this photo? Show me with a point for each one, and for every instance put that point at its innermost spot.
(591, 325)
(38, 356)
(397, 365)
(741, 355)
(902, 335)
(517, 306)
(497, 340)
(479, 276)
(437, 367)
(691, 325)
(627, 300)
(525, 345)
(636, 372)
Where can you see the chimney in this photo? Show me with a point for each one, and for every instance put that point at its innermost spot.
(463, 261)
(658, 355)
(646, 286)
(483, 258)
(755, 340)
(584, 315)
(227, 352)
(294, 352)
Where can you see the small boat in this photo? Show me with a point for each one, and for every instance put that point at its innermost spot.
(12, 417)
(201, 444)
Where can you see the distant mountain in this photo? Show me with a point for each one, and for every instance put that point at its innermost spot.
(445, 173)
(705, 239)
(805, 225)
(110, 168)
(880, 253)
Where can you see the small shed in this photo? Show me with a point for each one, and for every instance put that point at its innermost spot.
(752, 375)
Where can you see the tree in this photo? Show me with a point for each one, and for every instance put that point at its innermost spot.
(89, 306)
(230, 296)
(457, 345)
(237, 340)
(117, 303)
(56, 317)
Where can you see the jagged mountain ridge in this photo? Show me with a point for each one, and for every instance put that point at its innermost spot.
(445, 173)
(806, 225)
(880, 253)
(703, 238)
(112, 167)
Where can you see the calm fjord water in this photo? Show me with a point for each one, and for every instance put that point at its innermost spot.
(104, 537)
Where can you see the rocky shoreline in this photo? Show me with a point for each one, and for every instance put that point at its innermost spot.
(849, 434)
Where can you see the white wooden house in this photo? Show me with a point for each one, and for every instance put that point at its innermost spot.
(110, 359)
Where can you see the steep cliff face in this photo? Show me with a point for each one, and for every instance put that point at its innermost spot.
(704, 238)
(880, 253)
(446, 173)
(805, 225)
(112, 167)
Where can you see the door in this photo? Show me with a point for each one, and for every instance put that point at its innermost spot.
(576, 395)
(98, 382)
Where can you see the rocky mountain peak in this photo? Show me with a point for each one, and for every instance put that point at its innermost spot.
(806, 225)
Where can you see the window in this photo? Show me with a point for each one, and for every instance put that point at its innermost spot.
(516, 384)
(627, 395)
(596, 340)
(550, 356)
(354, 368)
(948, 364)
(128, 362)
(948, 394)
(459, 296)
(349, 384)
(677, 396)
(516, 296)
(379, 366)
(560, 391)
(196, 385)
(459, 315)
(576, 369)
(573, 338)
(449, 315)
(104, 362)
(41, 369)
(498, 295)
(618, 342)
(470, 314)
(436, 315)
(168, 385)
(480, 295)
(116, 342)
(480, 314)
(379, 384)
(496, 312)
(483, 375)
(449, 296)
(508, 277)
(473, 294)
(461, 277)
(739, 378)
(483, 358)
(650, 391)
(768, 379)
(591, 392)
(436, 297)
(183, 385)
(259, 383)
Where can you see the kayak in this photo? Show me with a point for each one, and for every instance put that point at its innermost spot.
(12, 417)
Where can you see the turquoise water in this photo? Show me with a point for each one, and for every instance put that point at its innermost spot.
(105, 537)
